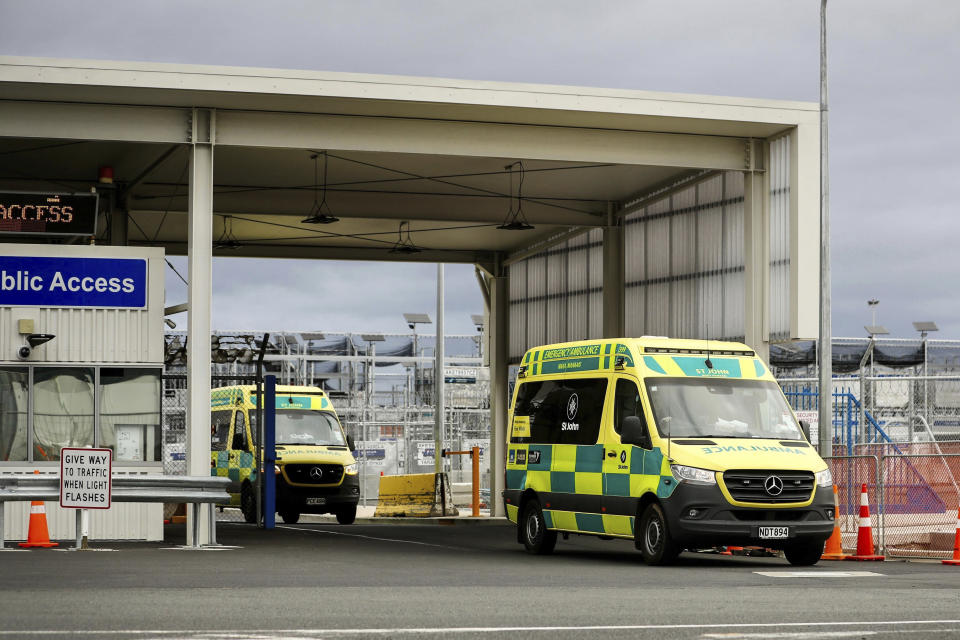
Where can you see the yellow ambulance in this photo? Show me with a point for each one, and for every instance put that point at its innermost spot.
(675, 444)
(316, 471)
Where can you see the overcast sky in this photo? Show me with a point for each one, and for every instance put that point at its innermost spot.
(894, 123)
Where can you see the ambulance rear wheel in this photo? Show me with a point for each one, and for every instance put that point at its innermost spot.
(653, 537)
(290, 517)
(533, 530)
(804, 554)
(248, 504)
(347, 515)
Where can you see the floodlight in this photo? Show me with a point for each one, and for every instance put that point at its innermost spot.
(925, 326)
(417, 318)
(313, 335)
(373, 337)
(290, 339)
(876, 330)
(477, 320)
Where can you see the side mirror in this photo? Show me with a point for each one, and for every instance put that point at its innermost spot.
(350, 443)
(634, 432)
(239, 441)
(805, 427)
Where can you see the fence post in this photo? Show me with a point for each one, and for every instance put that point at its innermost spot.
(269, 453)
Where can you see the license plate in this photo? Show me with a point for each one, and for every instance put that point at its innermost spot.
(316, 501)
(774, 532)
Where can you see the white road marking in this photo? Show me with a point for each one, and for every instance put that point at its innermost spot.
(358, 535)
(300, 634)
(790, 635)
(818, 574)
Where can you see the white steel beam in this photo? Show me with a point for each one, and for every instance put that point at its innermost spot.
(756, 249)
(108, 122)
(498, 313)
(483, 139)
(200, 264)
(805, 232)
(613, 276)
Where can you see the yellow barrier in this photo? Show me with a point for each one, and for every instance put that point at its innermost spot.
(417, 495)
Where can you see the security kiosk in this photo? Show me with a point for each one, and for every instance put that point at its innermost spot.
(81, 358)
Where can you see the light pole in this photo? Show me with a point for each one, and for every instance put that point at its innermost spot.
(478, 322)
(924, 327)
(872, 304)
(371, 339)
(413, 319)
(825, 352)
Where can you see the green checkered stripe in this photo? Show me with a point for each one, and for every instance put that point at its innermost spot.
(578, 470)
(239, 471)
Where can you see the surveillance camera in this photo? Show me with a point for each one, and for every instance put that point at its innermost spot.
(23, 352)
(411, 326)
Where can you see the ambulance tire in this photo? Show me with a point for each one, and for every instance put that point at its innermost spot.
(248, 504)
(290, 517)
(804, 554)
(347, 515)
(653, 537)
(533, 530)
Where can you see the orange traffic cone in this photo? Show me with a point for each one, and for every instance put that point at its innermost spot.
(956, 544)
(834, 548)
(865, 546)
(37, 535)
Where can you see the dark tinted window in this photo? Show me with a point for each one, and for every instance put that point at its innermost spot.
(626, 403)
(562, 411)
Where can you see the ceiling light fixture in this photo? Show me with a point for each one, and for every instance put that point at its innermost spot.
(404, 245)
(320, 211)
(227, 240)
(515, 220)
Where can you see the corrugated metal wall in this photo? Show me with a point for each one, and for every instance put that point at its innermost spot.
(684, 269)
(780, 239)
(684, 263)
(557, 295)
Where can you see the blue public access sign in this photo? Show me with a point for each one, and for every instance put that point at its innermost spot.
(30, 281)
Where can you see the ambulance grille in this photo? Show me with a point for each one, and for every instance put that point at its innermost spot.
(750, 485)
(305, 474)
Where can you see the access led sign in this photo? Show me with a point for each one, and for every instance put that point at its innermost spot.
(64, 214)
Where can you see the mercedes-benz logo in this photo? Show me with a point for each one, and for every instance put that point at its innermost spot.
(773, 485)
(316, 472)
(572, 405)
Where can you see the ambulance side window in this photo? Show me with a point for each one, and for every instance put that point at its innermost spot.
(627, 403)
(219, 429)
(240, 432)
(562, 411)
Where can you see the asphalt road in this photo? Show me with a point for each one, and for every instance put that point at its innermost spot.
(409, 581)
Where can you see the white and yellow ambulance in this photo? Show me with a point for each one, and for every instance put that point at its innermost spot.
(675, 444)
(316, 471)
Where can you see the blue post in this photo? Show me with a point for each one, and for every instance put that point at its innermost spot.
(269, 452)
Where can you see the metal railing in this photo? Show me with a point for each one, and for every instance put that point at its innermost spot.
(191, 490)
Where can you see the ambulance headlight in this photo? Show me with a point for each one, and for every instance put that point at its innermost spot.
(351, 469)
(824, 478)
(693, 475)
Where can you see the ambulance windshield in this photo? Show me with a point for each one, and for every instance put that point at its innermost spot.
(299, 426)
(721, 408)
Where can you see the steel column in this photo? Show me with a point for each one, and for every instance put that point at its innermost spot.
(200, 265)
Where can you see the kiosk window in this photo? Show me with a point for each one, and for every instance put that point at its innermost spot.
(13, 413)
(62, 410)
(561, 411)
(626, 403)
(130, 413)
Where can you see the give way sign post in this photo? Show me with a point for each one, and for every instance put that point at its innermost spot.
(86, 482)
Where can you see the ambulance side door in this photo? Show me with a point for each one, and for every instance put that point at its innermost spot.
(623, 464)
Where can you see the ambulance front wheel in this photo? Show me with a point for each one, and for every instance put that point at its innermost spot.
(347, 514)
(533, 530)
(653, 537)
(248, 503)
